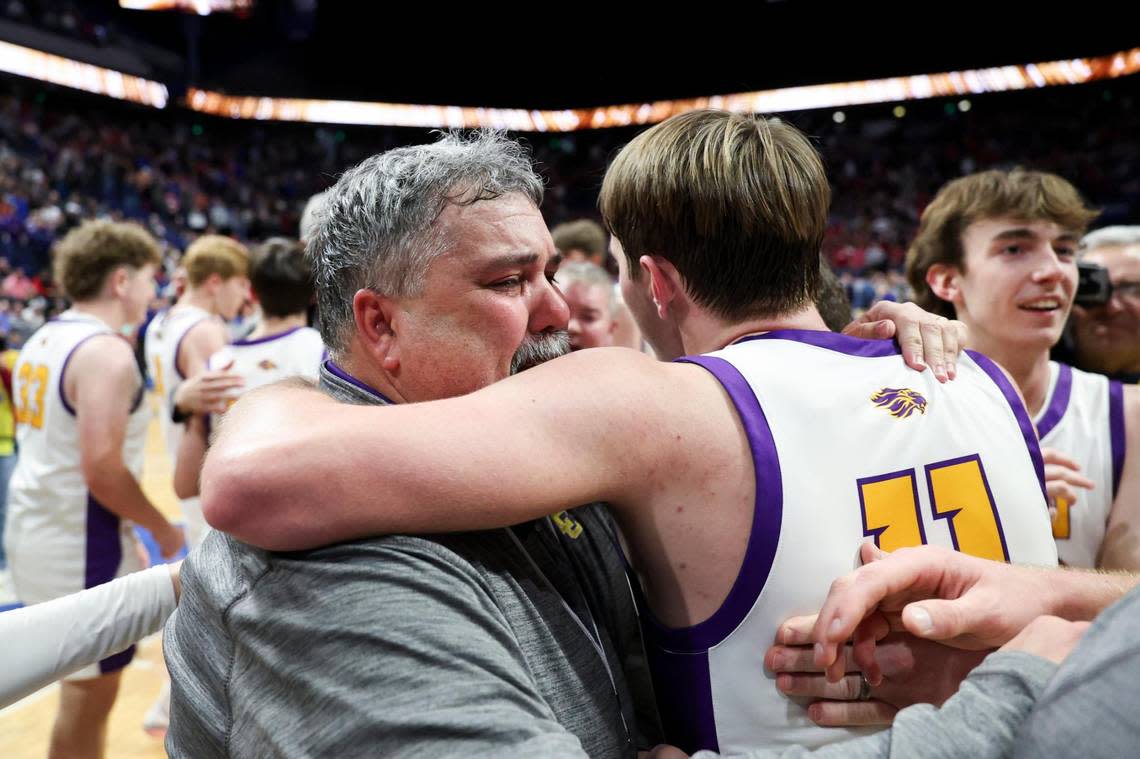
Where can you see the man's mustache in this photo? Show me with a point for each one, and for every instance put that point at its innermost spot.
(540, 348)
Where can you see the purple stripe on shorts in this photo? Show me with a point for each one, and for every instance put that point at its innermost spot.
(852, 346)
(1116, 431)
(267, 338)
(115, 662)
(103, 559)
(1059, 402)
(1027, 430)
(337, 371)
(766, 519)
(104, 545)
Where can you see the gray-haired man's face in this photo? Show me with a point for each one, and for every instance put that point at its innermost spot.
(488, 308)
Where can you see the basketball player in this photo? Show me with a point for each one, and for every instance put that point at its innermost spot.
(180, 340)
(281, 346)
(81, 428)
(998, 249)
(743, 480)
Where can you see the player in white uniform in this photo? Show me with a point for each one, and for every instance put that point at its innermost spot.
(81, 428)
(180, 340)
(281, 346)
(743, 488)
(998, 249)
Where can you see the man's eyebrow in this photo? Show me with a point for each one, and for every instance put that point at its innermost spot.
(509, 259)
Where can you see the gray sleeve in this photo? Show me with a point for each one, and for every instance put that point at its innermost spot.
(979, 721)
(388, 648)
(1089, 709)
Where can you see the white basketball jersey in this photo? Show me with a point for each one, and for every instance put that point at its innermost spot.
(61, 538)
(162, 343)
(1084, 419)
(297, 352)
(848, 444)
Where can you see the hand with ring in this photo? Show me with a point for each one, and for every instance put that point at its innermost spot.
(913, 671)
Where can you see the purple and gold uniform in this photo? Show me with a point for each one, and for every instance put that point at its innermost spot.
(59, 538)
(1083, 418)
(850, 446)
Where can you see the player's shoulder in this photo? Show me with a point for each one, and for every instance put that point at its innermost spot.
(105, 354)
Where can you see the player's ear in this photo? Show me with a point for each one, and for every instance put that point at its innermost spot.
(119, 281)
(943, 280)
(665, 284)
(373, 314)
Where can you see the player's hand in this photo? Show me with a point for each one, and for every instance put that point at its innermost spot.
(1063, 477)
(1050, 638)
(170, 540)
(663, 751)
(209, 392)
(925, 338)
(912, 670)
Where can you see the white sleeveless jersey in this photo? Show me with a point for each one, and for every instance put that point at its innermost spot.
(163, 340)
(848, 444)
(161, 345)
(1084, 419)
(297, 352)
(60, 538)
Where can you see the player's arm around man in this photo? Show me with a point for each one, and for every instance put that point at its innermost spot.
(276, 422)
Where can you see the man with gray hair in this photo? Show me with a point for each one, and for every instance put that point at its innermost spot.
(593, 304)
(432, 266)
(1108, 336)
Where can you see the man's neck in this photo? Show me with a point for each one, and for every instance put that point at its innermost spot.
(703, 333)
(1028, 367)
(110, 312)
(270, 326)
(197, 299)
(361, 367)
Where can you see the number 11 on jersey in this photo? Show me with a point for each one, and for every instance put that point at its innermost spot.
(958, 493)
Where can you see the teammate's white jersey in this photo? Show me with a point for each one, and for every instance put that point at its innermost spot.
(1084, 419)
(297, 352)
(59, 538)
(848, 443)
(163, 340)
(161, 345)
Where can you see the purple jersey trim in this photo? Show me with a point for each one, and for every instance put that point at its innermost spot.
(178, 349)
(267, 338)
(67, 360)
(684, 698)
(1058, 402)
(678, 657)
(337, 371)
(1015, 404)
(852, 346)
(1116, 431)
(766, 519)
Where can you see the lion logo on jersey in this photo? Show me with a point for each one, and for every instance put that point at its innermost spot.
(899, 402)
